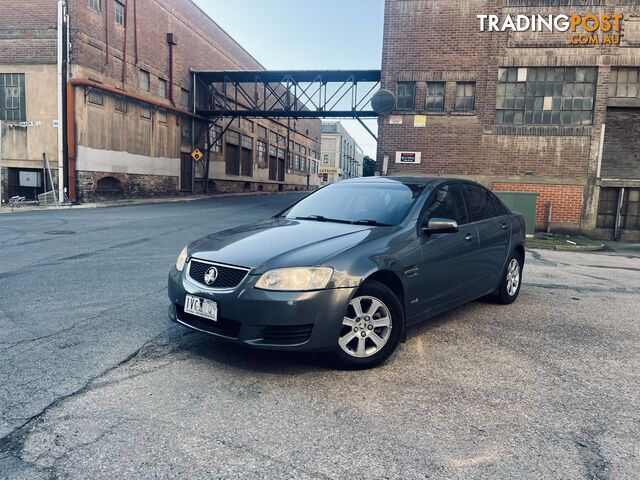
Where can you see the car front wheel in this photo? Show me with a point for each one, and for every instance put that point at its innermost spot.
(371, 327)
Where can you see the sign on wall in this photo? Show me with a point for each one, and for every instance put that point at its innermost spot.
(395, 119)
(419, 120)
(331, 170)
(408, 157)
(30, 179)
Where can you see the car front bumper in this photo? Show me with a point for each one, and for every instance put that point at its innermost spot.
(305, 321)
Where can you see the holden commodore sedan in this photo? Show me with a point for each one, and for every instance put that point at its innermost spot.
(349, 267)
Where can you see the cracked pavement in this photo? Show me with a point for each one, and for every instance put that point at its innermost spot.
(95, 382)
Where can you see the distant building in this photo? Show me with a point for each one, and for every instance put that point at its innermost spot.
(130, 124)
(520, 111)
(340, 155)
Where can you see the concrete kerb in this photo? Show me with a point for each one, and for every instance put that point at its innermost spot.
(141, 201)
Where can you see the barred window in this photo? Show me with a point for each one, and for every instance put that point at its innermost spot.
(546, 96)
(405, 95)
(624, 83)
(465, 96)
(435, 97)
(12, 107)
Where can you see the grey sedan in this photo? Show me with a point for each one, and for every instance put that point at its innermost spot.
(349, 267)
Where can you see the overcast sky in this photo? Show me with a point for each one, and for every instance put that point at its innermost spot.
(305, 34)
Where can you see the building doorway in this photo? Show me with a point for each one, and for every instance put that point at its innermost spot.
(186, 172)
(26, 182)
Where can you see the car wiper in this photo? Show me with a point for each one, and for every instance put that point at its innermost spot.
(322, 218)
(373, 223)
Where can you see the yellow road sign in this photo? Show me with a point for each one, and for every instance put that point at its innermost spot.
(332, 170)
(196, 154)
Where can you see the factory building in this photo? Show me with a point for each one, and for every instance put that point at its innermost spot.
(522, 96)
(130, 127)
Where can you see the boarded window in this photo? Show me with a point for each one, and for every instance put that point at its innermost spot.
(161, 116)
(246, 164)
(184, 97)
(262, 131)
(185, 131)
(145, 112)
(95, 97)
(120, 104)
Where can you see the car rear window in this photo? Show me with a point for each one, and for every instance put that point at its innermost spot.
(382, 203)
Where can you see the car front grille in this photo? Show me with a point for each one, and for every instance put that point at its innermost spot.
(223, 327)
(228, 276)
(286, 335)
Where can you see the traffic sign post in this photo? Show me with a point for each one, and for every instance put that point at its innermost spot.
(197, 155)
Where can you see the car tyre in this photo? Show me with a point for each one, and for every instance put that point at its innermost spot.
(510, 281)
(369, 336)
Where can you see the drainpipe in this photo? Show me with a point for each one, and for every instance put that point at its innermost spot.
(71, 124)
(171, 40)
(61, 14)
(124, 52)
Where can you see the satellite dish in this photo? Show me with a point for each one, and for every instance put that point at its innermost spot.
(383, 102)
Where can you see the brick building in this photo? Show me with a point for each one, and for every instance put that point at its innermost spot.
(519, 110)
(129, 123)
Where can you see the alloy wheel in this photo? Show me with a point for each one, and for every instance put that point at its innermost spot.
(513, 277)
(366, 327)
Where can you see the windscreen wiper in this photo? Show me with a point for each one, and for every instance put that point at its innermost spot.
(322, 218)
(373, 223)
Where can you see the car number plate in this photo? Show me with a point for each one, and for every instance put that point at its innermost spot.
(201, 307)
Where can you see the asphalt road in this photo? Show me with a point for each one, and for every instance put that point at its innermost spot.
(96, 383)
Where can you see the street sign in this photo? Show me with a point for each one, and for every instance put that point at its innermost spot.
(196, 154)
(332, 170)
(32, 123)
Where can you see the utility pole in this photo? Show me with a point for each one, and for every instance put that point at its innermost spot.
(61, 47)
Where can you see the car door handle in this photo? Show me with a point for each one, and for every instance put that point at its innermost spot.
(469, 237)
(504, 226)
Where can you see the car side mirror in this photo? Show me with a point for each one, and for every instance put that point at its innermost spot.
(440, 225)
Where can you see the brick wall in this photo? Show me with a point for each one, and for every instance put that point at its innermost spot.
(28, 33)
(566, 200)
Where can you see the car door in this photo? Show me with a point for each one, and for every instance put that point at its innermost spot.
(446, 257)
(494, 233)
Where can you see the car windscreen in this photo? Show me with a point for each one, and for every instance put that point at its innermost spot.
(373, 203)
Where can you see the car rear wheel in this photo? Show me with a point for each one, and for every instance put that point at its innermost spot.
(371, 327)
(509, 287)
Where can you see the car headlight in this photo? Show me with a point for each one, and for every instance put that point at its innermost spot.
(182, 258)
(295, 279)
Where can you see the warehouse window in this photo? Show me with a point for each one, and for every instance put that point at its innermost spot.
(119, 11)
(184, 97)
(185, 131)
(94, 4)
(435, 97)
(162, 88)
(120, 104)
(161, 116)
(465, 96)
(145, 112)
(624, 83)
(546, 96)
(405, 97)
(246, 125)
(215, 135)
(262, 131)
(261, 160)
(144, 81)
(95, 97)
(12, 97)
(325, 159)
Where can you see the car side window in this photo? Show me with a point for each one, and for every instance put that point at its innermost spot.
(446, 202)
(481, 204)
